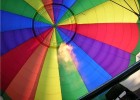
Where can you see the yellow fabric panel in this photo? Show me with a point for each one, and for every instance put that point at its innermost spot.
(27, 76)
(37, 4)
(130, 2)
(107, 12)
(53, 42)
(49, 82)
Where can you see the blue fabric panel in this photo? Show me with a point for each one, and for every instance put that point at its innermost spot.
(92, 74)
(64, 10)
(12, 21)
(103, 54)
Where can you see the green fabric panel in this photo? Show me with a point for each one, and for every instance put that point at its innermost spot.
(58, 38)
(5, 95)
(139, 6)
(81, 6)
(72, 86)
(20, 7)
(137, 49)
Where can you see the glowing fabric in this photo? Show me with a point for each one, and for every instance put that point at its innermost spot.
(64, 49)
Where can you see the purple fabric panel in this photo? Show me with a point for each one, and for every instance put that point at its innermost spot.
(56, 9)
(58, 1)
(12, 39)
(112, 59)
(67, 32)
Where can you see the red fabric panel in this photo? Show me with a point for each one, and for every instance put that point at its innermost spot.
(12, 62)
(49, 8)
(22, 86)
(47, 2)
(121, 35)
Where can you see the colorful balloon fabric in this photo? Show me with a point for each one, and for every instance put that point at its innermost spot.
(64, 49)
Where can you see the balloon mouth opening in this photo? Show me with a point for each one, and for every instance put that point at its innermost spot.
(55, 24)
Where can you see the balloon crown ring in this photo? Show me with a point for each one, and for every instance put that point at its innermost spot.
(54, 8)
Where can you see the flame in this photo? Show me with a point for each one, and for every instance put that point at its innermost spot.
(66, 54)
